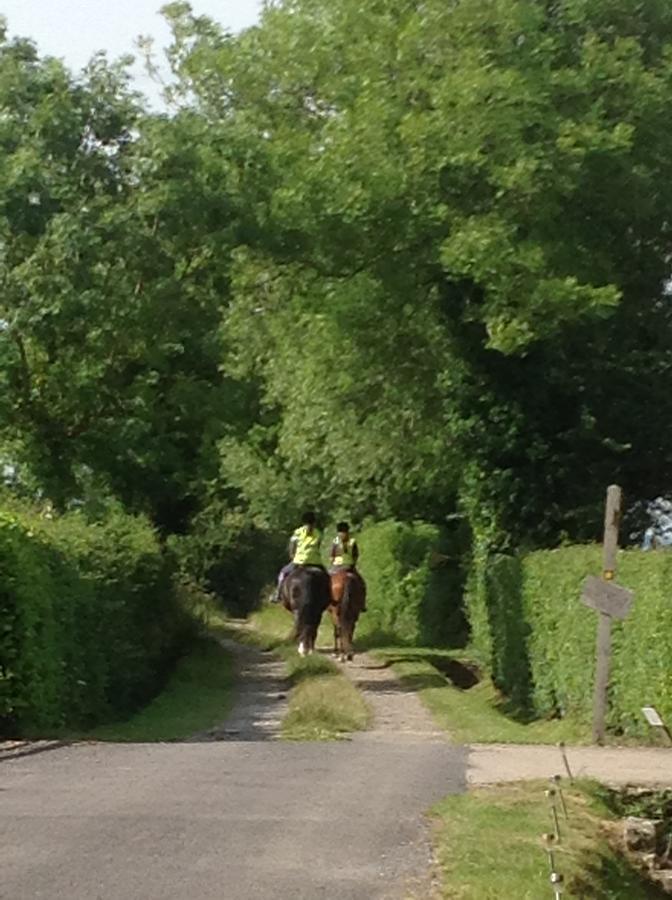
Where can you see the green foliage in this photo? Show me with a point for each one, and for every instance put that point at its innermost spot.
(116, 228)
(401, 260)
(90, 619)
(197, 696)
(538, 639)
(508, 628)
(411, 598)
(229, 557)
(454, 292)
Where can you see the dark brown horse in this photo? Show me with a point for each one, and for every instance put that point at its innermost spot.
(306, 594)
(348, 593)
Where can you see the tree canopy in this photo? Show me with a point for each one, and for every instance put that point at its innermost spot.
(390, 259)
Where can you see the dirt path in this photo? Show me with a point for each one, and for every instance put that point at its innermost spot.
(398, 713)
(492, 763)
(261, 697)
(399, 716)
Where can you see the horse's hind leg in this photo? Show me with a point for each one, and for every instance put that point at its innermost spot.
(333, 612)
(351, 630)
(307, 641)
(344, 637)
(300, 634)
(313, 636)
(348, 632)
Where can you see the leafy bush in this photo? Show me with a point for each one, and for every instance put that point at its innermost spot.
(411, 596)
(538, 640)
(228, 557)
(91, 621)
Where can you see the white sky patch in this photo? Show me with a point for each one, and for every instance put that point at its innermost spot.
(74, 30)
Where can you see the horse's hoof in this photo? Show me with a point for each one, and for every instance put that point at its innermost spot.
(343, 657)
(351, 656)
(302, 649)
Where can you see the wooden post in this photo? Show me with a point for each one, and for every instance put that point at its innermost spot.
(612, 520)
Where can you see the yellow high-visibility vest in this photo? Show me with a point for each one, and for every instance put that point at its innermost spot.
(344, 555)
(308, 542)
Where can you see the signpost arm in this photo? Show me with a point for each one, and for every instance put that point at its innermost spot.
(612, 520)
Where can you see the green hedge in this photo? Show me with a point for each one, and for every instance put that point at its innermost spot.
(538, 639)
(499, 628)
(413, 596)
(89, 620)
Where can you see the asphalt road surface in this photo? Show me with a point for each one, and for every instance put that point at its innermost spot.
(234, 814)
(241, 820)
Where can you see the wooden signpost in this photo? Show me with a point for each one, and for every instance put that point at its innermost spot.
(607, 598)
(611, 602)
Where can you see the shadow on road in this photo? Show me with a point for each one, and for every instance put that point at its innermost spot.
(18, 749)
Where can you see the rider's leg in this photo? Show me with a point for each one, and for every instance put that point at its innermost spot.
(284, 572)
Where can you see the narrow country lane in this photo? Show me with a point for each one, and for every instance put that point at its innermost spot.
(241, 819)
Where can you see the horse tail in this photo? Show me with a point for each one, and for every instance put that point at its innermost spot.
(314, 598)
(353, 595)
(348, 600)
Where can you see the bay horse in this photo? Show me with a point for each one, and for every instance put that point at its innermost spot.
(348, 593)
(306, 593)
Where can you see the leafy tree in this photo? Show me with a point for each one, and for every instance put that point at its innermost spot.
(456, 292)
(115, 232)
(395, 260)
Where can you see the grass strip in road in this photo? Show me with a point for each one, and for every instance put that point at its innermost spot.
(488, 845)
(474, 714)
(323, 704)
(197, 697)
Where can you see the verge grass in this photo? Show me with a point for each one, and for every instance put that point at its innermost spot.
(488, 846)
(197, 697)
(477, 714)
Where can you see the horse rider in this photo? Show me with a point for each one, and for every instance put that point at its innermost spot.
(345, 553)
(304, 550)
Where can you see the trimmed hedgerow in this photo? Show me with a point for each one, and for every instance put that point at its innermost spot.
(538, 640)
(89, 620)
(410, 598)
